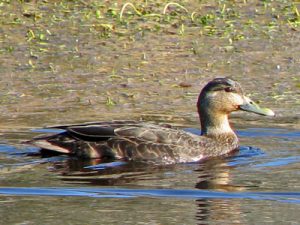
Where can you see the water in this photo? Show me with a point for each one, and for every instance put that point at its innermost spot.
(257, 185)
(71, 62)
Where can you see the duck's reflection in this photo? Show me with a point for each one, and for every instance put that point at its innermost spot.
(106, 173)
(217, 211)
(215, 175)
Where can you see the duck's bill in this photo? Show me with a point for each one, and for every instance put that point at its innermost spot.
(251, 106)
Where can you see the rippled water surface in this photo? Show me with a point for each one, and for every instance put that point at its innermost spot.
(256, 185)
(80, 61)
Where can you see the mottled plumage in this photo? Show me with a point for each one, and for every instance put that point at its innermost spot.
(135, 140)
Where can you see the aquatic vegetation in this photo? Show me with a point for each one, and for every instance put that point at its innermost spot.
(132, 6)
(151, 44)
(109, 101)
(224, 19)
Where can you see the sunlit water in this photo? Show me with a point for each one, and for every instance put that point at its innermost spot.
(257, 185)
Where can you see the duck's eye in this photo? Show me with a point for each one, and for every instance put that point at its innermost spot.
(229, 89)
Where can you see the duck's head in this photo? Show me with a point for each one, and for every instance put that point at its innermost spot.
(219, 98)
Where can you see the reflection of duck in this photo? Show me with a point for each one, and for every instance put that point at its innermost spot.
(135, 140)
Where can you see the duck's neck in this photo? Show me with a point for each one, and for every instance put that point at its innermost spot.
(217, 124)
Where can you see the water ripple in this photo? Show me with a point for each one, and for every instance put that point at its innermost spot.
(288, 197)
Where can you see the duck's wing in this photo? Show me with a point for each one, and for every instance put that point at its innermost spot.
(146, 132)
(122, 139)
(156, 143)
(76, 138)
(99, 131)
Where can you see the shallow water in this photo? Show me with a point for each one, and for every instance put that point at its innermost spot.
(76, 61)
(257, 185)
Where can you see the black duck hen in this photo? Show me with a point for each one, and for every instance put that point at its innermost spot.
(135, 140)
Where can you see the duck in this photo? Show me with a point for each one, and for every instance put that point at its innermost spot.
(130, 140)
